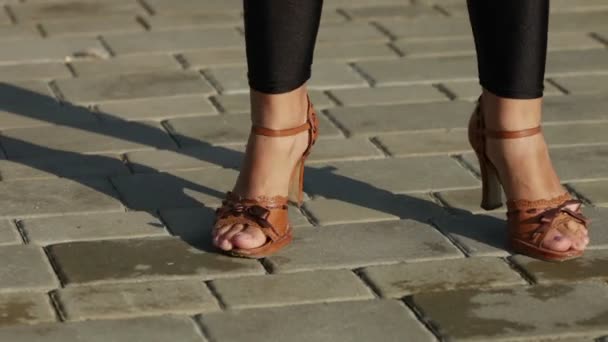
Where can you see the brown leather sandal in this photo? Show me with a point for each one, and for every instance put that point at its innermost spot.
(269, 214)
(529, 222)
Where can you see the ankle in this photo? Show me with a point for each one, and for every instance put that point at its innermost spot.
(505, 114)
(279, 111)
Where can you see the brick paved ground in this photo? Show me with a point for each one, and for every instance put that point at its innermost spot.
(123, 122)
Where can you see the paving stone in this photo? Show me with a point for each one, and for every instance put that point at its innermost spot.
(51, 230)
(34, 71)
(125, 65)
(344, 149)
(587, 108)
(8, 233)
(239, 103)
(65, 165)
(470, 90)
(116, 137)
(30, 198)
(355, 31)
(375, 177)
(178, 189)
(564, 5)
(205, 58)
(30, 103)
(173, 40)
(356, 51)
(340, 211)
(136, 260)
(35, 11)
(592, 266)
(25, 308)
(291, 289)
(388, 95)
(576, 134)
(595, 191)
(156, 108)
(394, 241)
(194, 18)
(426, 28)
(48, 50)
(9, 33)
(182, 297)
(468, 273)
(421, 143)
(90, 26)
(507, 314)
(597, 235)
(194, 225)
(584, 84)
(156, 329)
(465, 199)
(195, 157)
(577, 62)
(420, 71)
(336, 322)
(169, 6)
(226, 129)
(133, 86)
(372, 120)
(402, 11)
(231, 80)
(25, 268)
(478, 235)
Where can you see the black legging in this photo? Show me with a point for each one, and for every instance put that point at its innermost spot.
(510, 38)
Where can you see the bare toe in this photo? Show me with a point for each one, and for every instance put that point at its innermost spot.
(557, 241)
(250, 237)
(227, 238)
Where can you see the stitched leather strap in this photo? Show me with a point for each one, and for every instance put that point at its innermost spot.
(280, 132)
(512, 134)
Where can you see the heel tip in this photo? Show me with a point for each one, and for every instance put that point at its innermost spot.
(490, 206)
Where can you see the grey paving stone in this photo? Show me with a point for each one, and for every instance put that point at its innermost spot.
(51, 230)
(595, 191)
(390, 207)
(90, 26)
(173, 40)
(226, 129)
(465, 199)
(178, 189)
(584, 84)
(168, 6)
(135, 260)
(195, 18)
(348, 246)
(403, 11)
(577, 62)
(592, 266)
(66, 165)
(291, 289)
(194, 225)
(13, 32)
(133, 86)
(156, 329)
(194, 157)
(115, 137)
(597, 235)
(581, 107)
(48, 50)
(374, 177)
(582, 21)
(420, 71)
(326, 75)
(515, 313)
(478, 235)
(421, 143)
(576, 134)
(181, 297)
(8, 233)
(29, 103)
(354, 51)
(336, 322)
(205, 58)
(344, 149)
(470, 90)
(25, 268)
(34, 71)
(372, 120)
(25, 308)
(239, 103)
(35, 11)
(30, 198)
(388, 95)
(355, 31)
(426, 28)
(124, 65)
(445, 275)
(156, 108)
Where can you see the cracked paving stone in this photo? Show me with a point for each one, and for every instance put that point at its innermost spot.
(592, 266)
(134, 260)
(154, 329)
(181, 297)
(25, 268)
(370, 320)
(520, 312)
(25, 308)
(443, 275)
(348, 246)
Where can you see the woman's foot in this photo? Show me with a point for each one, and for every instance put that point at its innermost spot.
(524, 165)
(269, 161)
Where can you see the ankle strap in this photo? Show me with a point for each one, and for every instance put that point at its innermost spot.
(512, 134)
(280, 132)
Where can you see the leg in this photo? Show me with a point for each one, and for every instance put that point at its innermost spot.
(280, 38)
(511, 43)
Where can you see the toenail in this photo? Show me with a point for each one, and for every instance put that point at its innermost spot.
(558, 238)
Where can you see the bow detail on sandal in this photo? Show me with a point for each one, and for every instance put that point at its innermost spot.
(256, 213)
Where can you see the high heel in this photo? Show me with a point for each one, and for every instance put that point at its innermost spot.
(529, 222)
(269, 214)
